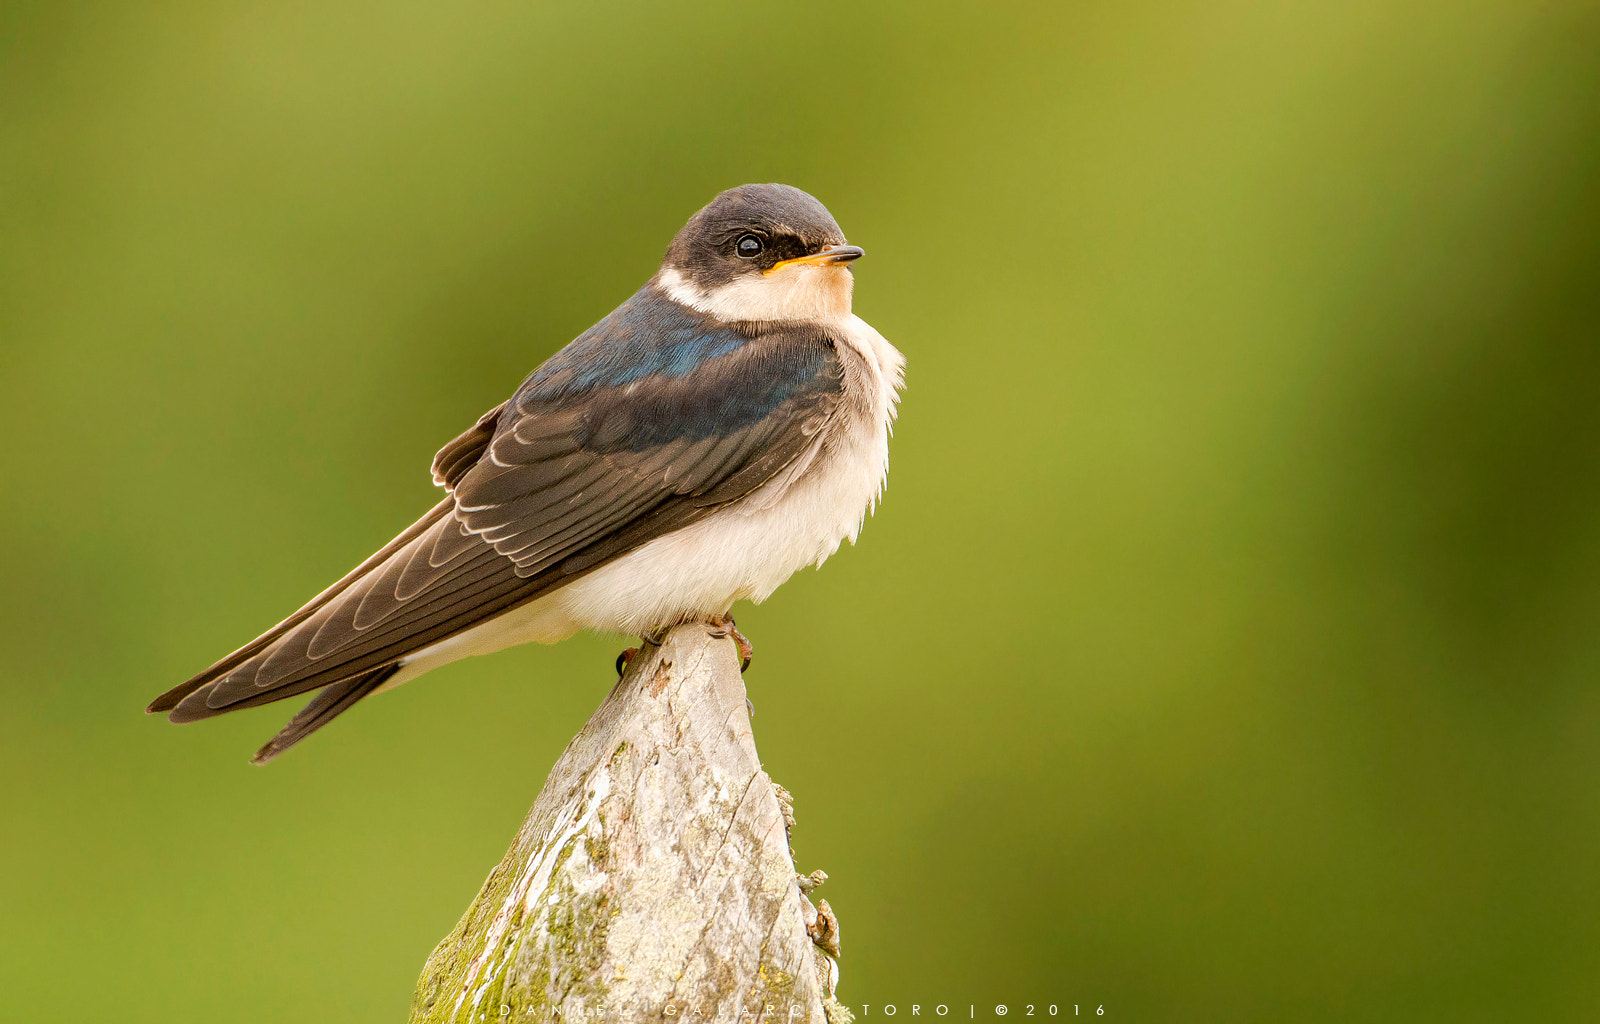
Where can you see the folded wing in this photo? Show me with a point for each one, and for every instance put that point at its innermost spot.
(568, 474)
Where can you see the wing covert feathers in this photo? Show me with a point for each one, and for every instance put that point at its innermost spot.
(463, 453)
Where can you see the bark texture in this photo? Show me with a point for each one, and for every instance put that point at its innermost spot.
(653, 877)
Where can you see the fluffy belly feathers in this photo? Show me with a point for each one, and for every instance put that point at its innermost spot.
(743, 552)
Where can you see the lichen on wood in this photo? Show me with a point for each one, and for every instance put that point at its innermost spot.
(653, 878)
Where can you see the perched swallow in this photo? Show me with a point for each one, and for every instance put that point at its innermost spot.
(723, 428)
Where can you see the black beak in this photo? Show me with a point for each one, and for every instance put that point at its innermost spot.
(830, 256)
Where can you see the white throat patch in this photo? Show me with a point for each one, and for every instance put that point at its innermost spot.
(793, 293)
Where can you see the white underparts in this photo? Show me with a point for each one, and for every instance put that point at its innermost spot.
(742, 552)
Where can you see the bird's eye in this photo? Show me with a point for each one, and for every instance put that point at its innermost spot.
(748, 246)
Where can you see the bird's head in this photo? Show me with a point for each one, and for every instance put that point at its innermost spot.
(761, 252)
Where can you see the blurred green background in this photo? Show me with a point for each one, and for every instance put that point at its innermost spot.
(1226, 647)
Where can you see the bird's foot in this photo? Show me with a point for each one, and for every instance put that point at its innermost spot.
(719, 627)
(722, 626)
(654, 638)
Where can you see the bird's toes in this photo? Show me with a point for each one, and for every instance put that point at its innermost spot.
(746, 650)
(723, 626)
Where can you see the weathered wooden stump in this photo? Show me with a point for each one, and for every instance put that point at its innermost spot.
(653, 878)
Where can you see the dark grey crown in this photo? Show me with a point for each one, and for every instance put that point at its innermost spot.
(788, 222)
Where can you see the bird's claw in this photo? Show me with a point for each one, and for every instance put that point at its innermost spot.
(723, 627)
(654, 638)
